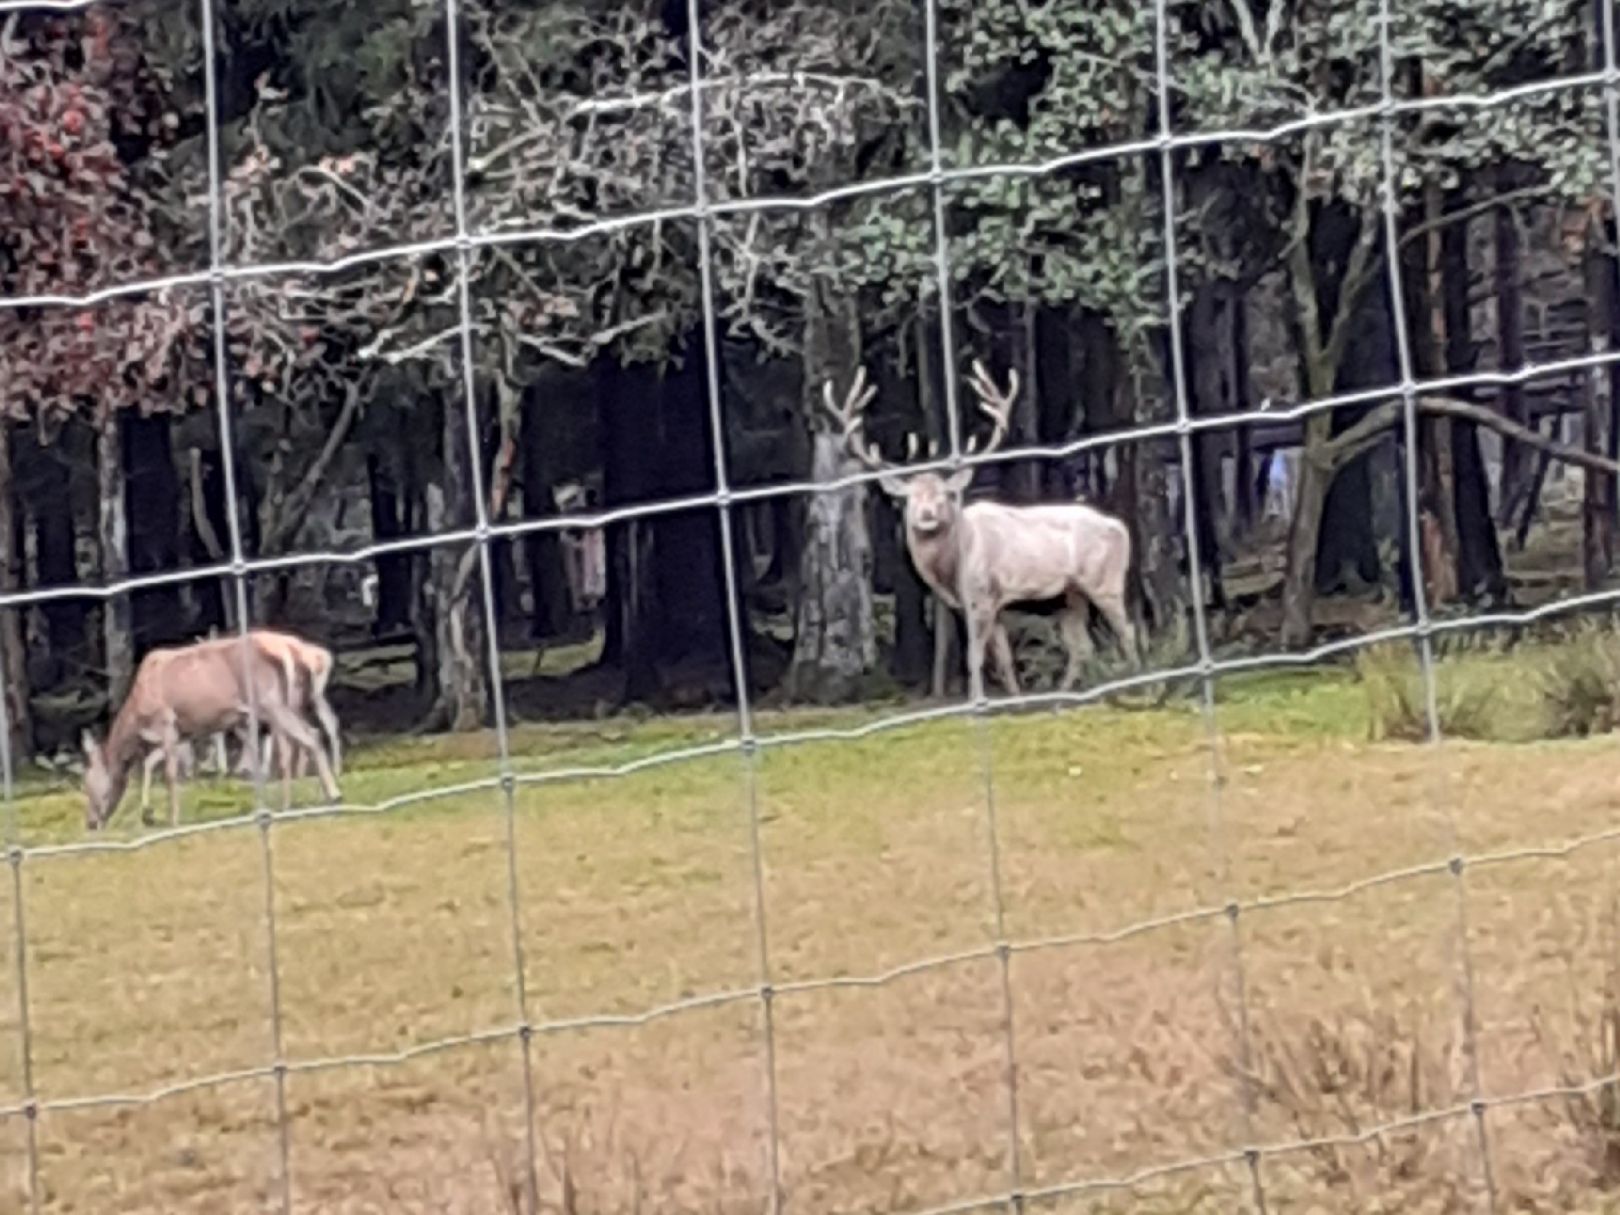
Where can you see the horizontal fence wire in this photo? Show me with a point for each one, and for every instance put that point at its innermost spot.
(749, 740)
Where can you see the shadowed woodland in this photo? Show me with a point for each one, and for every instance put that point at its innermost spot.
(346, 423)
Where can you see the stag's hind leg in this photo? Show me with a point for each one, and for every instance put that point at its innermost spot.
(1112, 607)
(1076, 638)
(290, 724)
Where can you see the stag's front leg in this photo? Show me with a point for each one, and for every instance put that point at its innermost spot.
(1002, 652)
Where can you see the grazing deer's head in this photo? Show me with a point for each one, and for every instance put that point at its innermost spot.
(930, 498)
(102, 790)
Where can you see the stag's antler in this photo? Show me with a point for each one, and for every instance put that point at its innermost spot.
(851, 423)
(995, 403)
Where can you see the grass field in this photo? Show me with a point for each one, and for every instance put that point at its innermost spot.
(149, 969)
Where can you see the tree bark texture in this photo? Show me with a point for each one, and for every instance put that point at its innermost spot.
(1518, 462)
(1598, 500)
(112, 531)
(13, 652)
(835, 624)
(460, 654)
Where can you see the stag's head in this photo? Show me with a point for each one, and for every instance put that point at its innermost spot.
(102, 788)
(931, 498)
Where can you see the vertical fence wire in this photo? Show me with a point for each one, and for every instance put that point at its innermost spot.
(239, 578)
(1214, 743)
(736, 625)
(1420, 600)
(492, 619)
(19, 934)
(974, 644)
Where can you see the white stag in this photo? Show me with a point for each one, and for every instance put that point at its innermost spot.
(990, 555)
(192, 692)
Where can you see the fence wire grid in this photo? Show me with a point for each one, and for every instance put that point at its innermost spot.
(746, 743)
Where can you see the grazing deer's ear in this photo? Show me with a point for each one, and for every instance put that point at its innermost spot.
(87, 740)
(959, 480)
(894, 486)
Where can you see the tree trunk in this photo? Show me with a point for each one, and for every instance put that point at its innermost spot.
(629, 402)
(153, 506)
(1598, 502)
(1518, 461)
(1244, 504)
(13, 653)
(835, 626)
(690, 578)
(1480, 575)
(112, 530)
(1208, 331)
(1054, 387)
(1438, 497)
(1299, 580)
(461, 659)
(551, 612)
(56, 552)
(393, 609)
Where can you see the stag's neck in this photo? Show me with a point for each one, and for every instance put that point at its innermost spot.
(938, 557)
(123, 746)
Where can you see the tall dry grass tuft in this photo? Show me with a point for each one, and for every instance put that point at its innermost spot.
(1334, 1080)
(1583, 1045)
(1580, 681)
(1397, 705)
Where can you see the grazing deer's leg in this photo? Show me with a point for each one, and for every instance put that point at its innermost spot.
(1113, 608)
(171, 770)
(329, 723)
(284, 720)
(284, 758)
(1076, 638)
(149, 765)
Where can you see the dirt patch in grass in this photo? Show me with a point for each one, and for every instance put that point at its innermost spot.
(396, 934)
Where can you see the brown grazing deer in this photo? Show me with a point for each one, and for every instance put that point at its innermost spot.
(989, 555)
(192, 692)
(314, 664)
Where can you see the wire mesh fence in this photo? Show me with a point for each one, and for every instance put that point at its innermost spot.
(749, 745)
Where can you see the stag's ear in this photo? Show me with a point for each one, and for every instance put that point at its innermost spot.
(959, 480)
(892, 485)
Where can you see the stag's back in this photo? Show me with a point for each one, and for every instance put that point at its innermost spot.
(1046, 550)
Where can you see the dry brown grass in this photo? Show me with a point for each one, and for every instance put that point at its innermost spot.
(149, 968)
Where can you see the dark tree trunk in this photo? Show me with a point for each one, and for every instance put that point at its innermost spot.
(542, 550)
(1244, 504)
(56, 553)
(1347, 544)
(1100, 411)
(210, 593)
(1207, 349)
(1518, 461)
(1598, 503)
(13, 653)
(690, 580)
(113, 532)
(460, 668)
(153, 503)
(1480, 575)
(1060, 413)
(393, 610)
(629, 406)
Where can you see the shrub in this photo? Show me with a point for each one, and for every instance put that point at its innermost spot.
(1580, 681)
(1397, 703)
